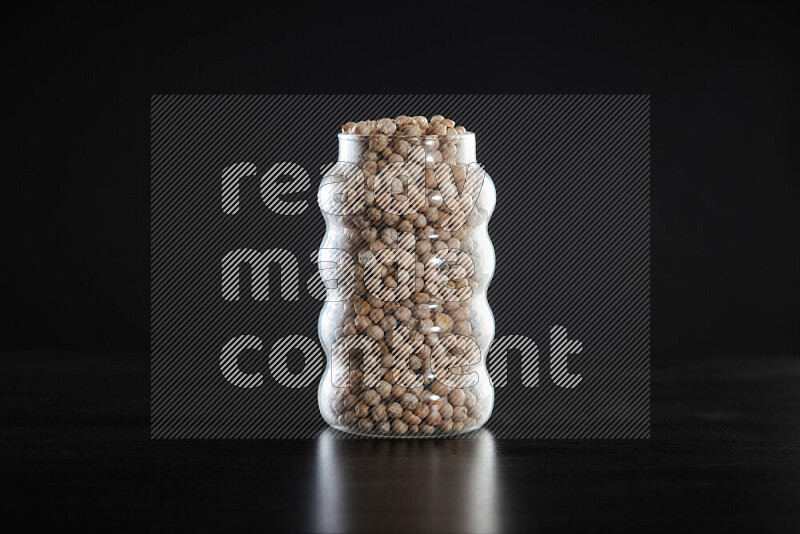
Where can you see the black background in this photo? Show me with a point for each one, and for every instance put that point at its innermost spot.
(724, 125)
(724, 117)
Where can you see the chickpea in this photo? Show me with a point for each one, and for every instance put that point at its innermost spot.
(443, 322)
(379, 412)
(402, 313)
(426, 396)
(375, 332)
(426, 233)
(378, 143)
(411, 419)
(370, 167)
(422, 410)
(350, 401)
(459, 414)
(409, 401)
(416, 391)
(386, 126)
(362, 128)
(416, 339)
(394, 410)
(423, 247)
(384, 389)
(437, 128)
(439, 389)
(447, 151)
(376, 315)
(446, 410)
(388, 235)
(401, 148)
(462, 328)
(388, 323)
(362, 323)
(469, 399)
(349, 329)
(457, 397)
(365, 424)
(349, 418)
(399, 426)
(361, 307)
(425, 354)
(371, 397)
(422, 311)
(475, 411)
(412, 130)
(361, 409)
(426, 326)
(434, 418)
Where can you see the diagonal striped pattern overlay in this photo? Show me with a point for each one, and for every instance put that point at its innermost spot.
(571, 231)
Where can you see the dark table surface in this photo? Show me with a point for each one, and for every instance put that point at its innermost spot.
(724, 454)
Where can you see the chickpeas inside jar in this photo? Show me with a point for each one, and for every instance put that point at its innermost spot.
(408, 335)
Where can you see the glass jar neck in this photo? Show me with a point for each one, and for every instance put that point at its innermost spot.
(355, 148)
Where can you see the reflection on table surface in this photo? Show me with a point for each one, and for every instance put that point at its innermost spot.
(443, 486)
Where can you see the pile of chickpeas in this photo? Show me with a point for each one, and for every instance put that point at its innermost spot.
(409, 328)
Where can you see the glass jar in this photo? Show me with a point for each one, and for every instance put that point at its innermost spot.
(406, 260)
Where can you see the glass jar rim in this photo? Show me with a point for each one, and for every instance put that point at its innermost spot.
(357, 137)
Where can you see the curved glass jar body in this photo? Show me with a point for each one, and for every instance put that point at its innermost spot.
(407, 260)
